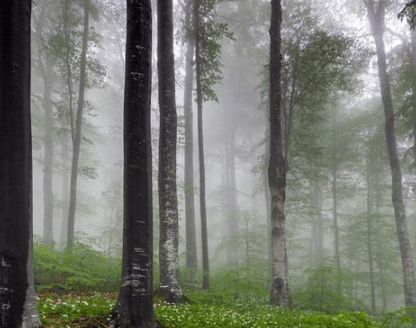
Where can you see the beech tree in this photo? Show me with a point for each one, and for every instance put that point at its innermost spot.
(168, 200)
(135, 306)
(376, 18)
(17, 296)
(276, 170)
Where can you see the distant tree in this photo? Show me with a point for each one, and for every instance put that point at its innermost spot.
(376, 17)
(44, 63)
(199, 101)
(191, 248)
(135, 307)
(76, 122)
(168, 200)
(277, 171)
(17, 297)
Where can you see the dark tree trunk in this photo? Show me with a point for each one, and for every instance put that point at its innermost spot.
(191, 250)
(76, 133)
(17, 297)
(64, 145)
(276, 171)
(377, 22)
(204, 228)
(135, 306)
(168, 202)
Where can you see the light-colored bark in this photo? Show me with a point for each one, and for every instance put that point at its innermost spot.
(168, 201)
(277, 171)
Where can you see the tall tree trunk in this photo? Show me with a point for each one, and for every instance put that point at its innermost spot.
(48, 156)
(276, 171)
(369, 234)
(204, 228)
(317, 225)
(191, 250)
(231, 190)
(46, 66)
(17, 297)
(377, 23)
(76, 133)
(135, 305)
(64, 144)
(168, 201)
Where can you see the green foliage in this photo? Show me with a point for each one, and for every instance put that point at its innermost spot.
(81, 267)
(253, 315)
(53, 309)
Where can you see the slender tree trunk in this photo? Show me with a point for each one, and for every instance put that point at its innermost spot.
(17, 296)
(168, 201)
(191, 250)
(204, 228)
(369, 235)
(46, 66)
(377, 23)
(135, 305)
(48, 156)
(334, 191)
(317, 226)
(231, 191)
(76, 134)
(64, 143)
(276, 171)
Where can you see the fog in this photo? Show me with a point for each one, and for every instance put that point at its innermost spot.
(338, 184)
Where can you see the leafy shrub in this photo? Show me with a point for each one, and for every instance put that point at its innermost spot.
(79, 267)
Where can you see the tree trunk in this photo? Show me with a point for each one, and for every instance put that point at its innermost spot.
(135, 305)
(17, 297)
(76, 133)
(377, 23)
(369, 234)
(317, 225)
(64, 145)
(204, 228)
(276, 171)
(48, 156)
(168, 201)
(231, 191)
(191, 250)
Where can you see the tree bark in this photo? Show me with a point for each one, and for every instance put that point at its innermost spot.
(76, 133)
(191, 250)
(276, 171)
(168, 201)
(204, 228)
(377, 23)
(135, 306)
(17, 297)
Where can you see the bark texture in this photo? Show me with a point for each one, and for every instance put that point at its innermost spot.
(168, 201)
(135, 306)
(276, 171)
(199, 100)
(17, 294)
(191, 250)
(376, 17)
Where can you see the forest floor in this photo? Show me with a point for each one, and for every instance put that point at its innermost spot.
(86, 309)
